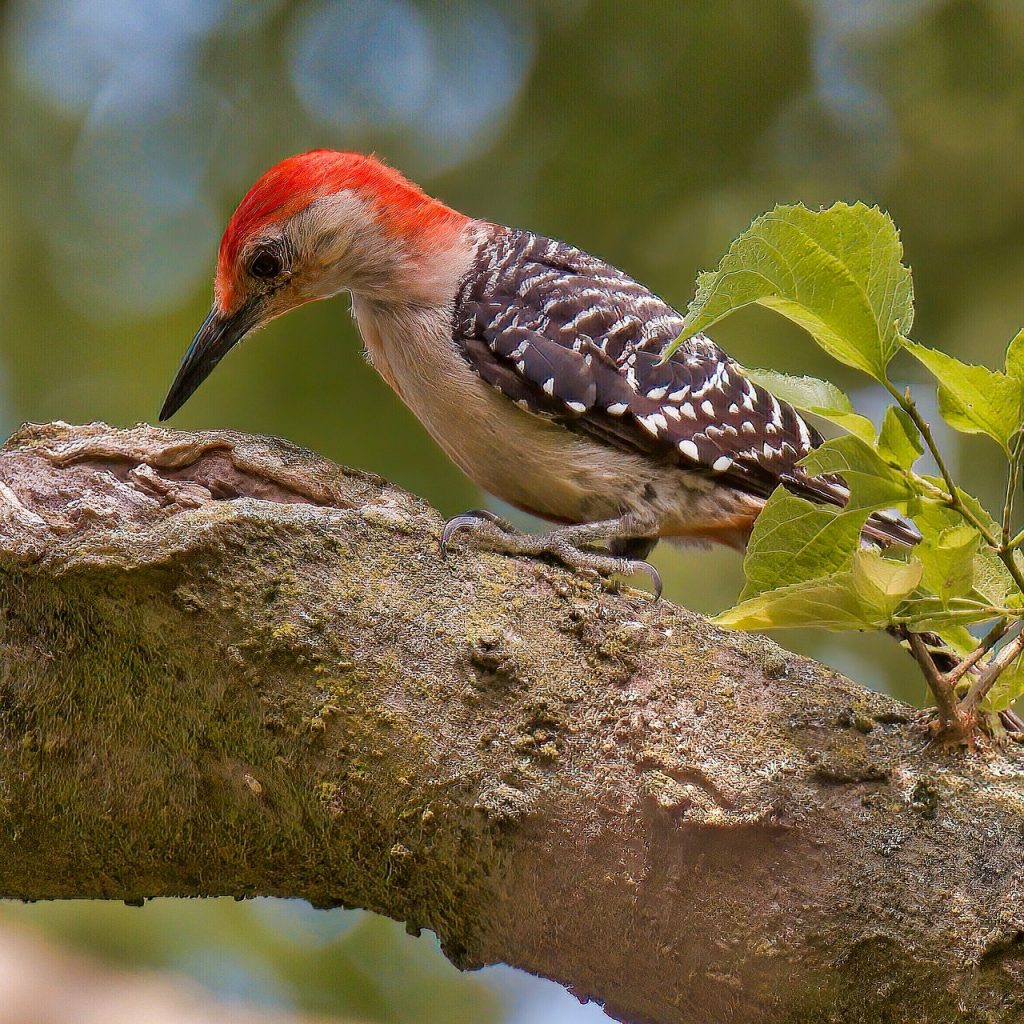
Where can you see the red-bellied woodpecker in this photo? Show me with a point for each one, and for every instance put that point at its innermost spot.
(536, 367)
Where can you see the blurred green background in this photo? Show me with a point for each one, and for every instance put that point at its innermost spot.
(649, 133)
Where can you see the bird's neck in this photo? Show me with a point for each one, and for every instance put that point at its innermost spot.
(424, 272)
(407, 327)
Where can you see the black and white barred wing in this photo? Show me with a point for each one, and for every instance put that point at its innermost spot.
(571, 338)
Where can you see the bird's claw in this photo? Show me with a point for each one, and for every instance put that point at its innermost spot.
(655, 576)
(605, 565)
(468, 520)
(502, 536)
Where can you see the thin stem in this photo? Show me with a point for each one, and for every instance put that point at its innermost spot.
(1012, 479)
(963, 603)
(967, 604)
(966, 615)
(909, 406)
(953, 499)
(926, 486)
(981, 686)
(945, 699)
(994, 635)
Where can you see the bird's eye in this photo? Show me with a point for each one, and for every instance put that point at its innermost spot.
(265, 264)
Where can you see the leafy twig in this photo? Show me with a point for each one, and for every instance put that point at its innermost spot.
(906, 402)
(981, 686)
(994, 635)
(952, 497)
(778, 263)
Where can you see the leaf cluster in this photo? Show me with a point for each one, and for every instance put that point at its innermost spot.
(839, 274)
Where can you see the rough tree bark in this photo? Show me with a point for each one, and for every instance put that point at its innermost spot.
(231, 667)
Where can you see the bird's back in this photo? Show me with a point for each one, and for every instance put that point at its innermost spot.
(573, 338)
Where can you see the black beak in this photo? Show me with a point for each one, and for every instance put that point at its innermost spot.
(217, 335)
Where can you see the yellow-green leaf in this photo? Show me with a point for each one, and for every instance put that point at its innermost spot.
(838, 273)
(1007, 688)
(818, 397)
(873, 484)
(899, 441)
(882, 583)
(864, 597)
(948, 550)
(969, 500)
(848, 600)
(974, 399)
(795, 540)
(958, 638)
(829, 603)
(992, 581)
(1015, 356)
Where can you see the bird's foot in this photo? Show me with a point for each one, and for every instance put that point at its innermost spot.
(482, 524)
(565, 544)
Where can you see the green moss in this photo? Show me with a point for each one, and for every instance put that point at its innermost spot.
(925, 797)
(878, 982)
(191, 746)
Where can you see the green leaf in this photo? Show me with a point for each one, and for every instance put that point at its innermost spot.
(838, 273)
(951, 571)
(968, 500)
(803, 392)
(1015, 356)
(992, 582)
(1006, 689)
(794, 541)
(851, 422)
(864, 597)
(957, 637)
(818, 397)
(829, 603)
(873, 484)
(979, 510)
(974, 399)
(882, 583)
(899, 441)
(948, 550)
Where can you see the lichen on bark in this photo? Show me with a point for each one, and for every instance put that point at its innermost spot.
(231, 667)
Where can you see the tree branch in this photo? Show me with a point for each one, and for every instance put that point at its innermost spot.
(231, 667)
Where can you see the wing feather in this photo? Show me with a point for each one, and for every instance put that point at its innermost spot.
(571, 338)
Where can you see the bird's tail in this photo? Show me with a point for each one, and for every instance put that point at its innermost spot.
(888, 527)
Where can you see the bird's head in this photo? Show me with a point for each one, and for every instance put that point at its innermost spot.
(315, 225)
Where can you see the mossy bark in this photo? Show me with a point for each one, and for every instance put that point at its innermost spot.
(230, 667)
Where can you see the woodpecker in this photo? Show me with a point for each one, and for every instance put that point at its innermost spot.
(536, 367)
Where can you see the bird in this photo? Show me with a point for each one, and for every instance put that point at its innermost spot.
(542, 371)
